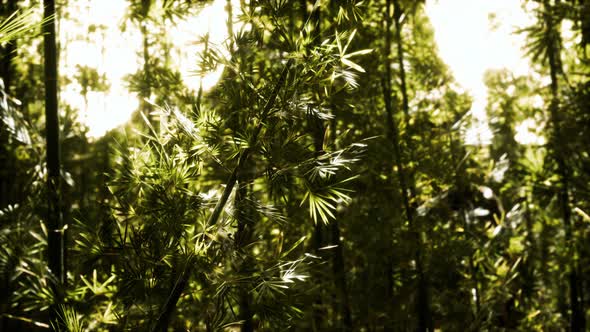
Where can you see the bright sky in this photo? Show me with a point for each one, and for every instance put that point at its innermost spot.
(115, 54)
(474, 36)
(463, 31)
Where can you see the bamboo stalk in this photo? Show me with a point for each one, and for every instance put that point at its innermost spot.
(405, 177)
(577, 318)
(54, 217)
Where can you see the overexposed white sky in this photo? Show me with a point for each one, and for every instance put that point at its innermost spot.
(110, 52)
(115, 54)
(471, 42)
(472, 37)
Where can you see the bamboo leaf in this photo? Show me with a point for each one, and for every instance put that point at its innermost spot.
(352, 65)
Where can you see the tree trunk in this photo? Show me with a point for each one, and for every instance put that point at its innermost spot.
(55, 227)
(577, 318)
(405, 177)
(340, 278)
(54, 216)
(397, 12)
(146, 91)
(530, 267)
(242, 238)
(9, 50)
(338, 264)
(7, 74)
(317, 129)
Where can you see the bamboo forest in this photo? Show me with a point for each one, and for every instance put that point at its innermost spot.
(294, 165)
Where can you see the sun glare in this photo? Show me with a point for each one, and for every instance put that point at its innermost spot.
(211, 21)
(474, 36)
(115, 54)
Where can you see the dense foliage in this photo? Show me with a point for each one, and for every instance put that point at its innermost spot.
(324, 184)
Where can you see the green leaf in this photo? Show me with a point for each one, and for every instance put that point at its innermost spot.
(357, 53)
(352, 65)
(295, 245)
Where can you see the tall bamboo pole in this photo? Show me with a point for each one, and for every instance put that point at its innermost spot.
(577, 317)
(406, 180)
(54, 216)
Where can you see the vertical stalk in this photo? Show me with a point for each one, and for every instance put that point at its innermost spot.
(342, 303)
(7, 74)
(7, 166)
(577, 318)
(242, 239)
(317, 129)
(406, 185)
(146, 91)
(529, 279)
(340, 278)
(54, 216)
(338, 264)
(7, 70)
(243, 213)
(317, 125)
(397, 14)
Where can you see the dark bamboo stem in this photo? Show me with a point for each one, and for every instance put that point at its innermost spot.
(577, 318)
(404, 176)
(146, 91)
(7, 72)
(54, 216)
